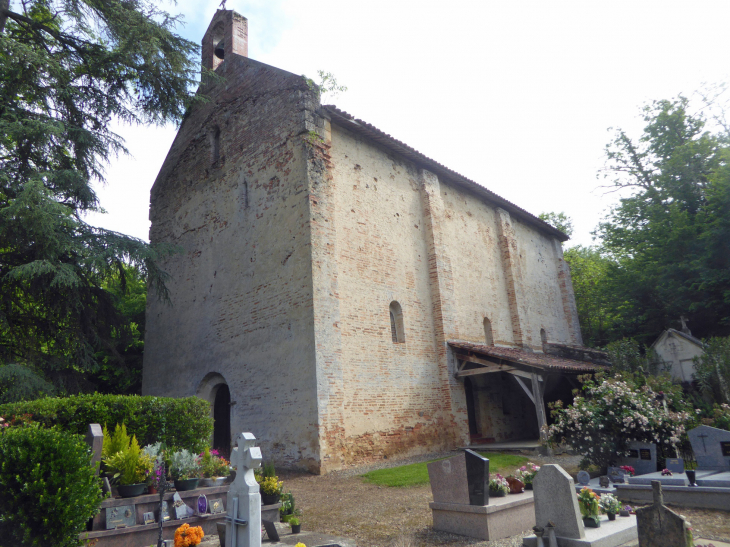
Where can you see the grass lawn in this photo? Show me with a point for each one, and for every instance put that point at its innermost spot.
(416, 474)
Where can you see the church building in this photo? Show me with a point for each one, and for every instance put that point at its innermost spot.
(339, 294)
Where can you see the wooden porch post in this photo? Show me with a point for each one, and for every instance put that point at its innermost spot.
(539, 405)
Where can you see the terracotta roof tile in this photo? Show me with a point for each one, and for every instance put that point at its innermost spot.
(522, 357)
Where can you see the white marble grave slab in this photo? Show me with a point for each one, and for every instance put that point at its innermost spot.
(610, 534)
(717, 480)
(678, 479)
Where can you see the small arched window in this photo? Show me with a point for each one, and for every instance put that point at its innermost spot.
(543, 338)
(397, 332)
(488, 337)
(215, 145)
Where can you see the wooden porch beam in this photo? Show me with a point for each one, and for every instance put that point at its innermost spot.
(482, 370)
(539, 406)
(525, 388)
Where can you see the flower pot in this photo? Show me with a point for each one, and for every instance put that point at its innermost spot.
(497, 494)
(691, 475)
(591, 522)
(528, 486)
(296, 528)
(151, 490)
(269, 499)
(131, 490)
(611, 516)
(186, 484)
(215, 481)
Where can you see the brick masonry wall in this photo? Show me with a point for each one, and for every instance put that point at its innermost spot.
(241, 289)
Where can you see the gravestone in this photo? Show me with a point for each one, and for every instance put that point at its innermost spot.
(584, 478)
(202, 504)
(556, 502)
(642, 457)
(616, 475)
(659, 526)
(121, 516)
(711, 447)
(165, 511)
(95, 439)
(462, 479)
(182, 511)
(675, 465)
(216, 506)
(243, 524)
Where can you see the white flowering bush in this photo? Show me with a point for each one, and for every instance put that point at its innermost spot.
(610, 414)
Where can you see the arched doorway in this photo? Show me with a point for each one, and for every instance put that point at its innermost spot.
(222, 418)
(214, 389)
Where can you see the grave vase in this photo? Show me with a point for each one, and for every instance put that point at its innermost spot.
(591, 522)
(611, 516)
(269, 499)
(296, 528)
(528, 486)
(691, 475)
(131, 490)
(182, 485)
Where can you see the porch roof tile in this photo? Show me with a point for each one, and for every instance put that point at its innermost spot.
(527, 358)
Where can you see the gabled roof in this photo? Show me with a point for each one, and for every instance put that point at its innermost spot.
(361, 127)
(680, 334)
(548, 363)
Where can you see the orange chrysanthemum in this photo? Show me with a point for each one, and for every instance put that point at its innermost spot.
(187, 536)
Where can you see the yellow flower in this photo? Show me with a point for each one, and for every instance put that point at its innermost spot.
(300, 544)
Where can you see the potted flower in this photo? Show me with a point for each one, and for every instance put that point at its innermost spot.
(271, 488)
(125, 463)
(214, 468)
(498, 486)
(666, 472)
(589, 507)
(187, 535)
(630, 471)
(610, 505)
(527, 473)
(185, 469)
(296, 525)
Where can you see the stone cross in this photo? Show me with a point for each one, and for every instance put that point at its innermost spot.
(95, 439)
(659, 526)
(243, 524)
(556, 502)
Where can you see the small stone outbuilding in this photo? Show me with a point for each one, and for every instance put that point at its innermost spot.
(332, 279)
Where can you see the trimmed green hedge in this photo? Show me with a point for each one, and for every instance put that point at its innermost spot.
(179, 423)
(48, 489)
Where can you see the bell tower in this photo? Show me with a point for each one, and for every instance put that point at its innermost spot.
(227, 34)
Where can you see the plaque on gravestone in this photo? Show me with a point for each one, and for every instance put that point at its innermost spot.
(121, 516)
(149, 518)
(202, 504)
(584, 478)
(616, 475)
(165, 512)
(182, 511)
(725, 447)
(477, 477)
(216, 506)
(675, 465)
(645, 454)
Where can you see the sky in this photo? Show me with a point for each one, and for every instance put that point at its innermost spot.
(518, 96)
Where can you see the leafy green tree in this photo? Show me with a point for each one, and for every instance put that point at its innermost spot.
(669, 235)
(712, 370)
(560, 220)
(68, 67)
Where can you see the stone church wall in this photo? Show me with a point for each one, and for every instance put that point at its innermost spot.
(394, 400)
(241, 289)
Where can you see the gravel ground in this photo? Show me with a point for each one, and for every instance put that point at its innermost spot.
(341, 504)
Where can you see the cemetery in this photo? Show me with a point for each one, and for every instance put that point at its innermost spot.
(164, 485)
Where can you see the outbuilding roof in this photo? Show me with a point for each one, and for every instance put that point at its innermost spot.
(548, 363)
(361, 127)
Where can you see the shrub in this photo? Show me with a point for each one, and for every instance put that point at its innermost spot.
(712, 370)
(49, 489)
(612, 413)
(124, 459)
(179, 423)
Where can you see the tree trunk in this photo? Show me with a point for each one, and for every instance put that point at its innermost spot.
(4, 6)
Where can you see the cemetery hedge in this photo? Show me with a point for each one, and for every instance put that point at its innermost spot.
(179, 423)
(49, 489)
